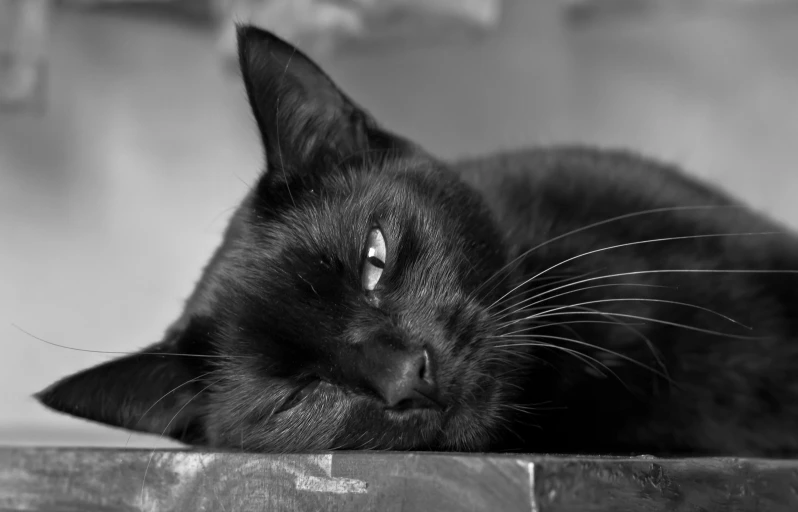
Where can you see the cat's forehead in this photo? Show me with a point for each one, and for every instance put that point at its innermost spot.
(396, 198)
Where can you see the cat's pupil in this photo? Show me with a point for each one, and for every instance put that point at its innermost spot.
(376, 262)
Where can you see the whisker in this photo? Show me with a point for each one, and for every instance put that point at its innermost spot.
(608, 221)
(505, 358)
(572, 331)
(666, 271)
(602, 349)
(566, 277)
(530, 410)
(497, 377)
(534, 317)
(218, 215)
(656, 240)
(629, 244)
(579, 337)
(650, 344)
(246, 184)
(555, 283)
(590, 361)
(652, 348)
(537, 405)
(112, 352)
(656, 320)
(516, 311)
(544, 325)
(645, 299)
(146, 469)
(615, 322)
(537, 324)
(195, 379)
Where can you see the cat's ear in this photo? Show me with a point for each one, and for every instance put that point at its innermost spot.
(305, 121)
(158, 390)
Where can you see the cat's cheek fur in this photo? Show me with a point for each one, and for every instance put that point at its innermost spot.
(329, 420)
(244, 411)
(242, 418)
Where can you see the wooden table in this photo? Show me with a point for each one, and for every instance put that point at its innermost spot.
(71, 479)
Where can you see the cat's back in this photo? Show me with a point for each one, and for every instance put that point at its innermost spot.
(571, 186)
(590, 172)
(654, 244)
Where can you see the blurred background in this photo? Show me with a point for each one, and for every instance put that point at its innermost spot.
(125, 138)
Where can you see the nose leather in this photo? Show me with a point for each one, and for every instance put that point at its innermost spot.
(407, 380)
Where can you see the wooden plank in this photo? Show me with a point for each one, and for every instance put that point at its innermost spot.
(90, 480)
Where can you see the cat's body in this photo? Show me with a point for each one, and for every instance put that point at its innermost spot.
(367, 295)
(729, 395)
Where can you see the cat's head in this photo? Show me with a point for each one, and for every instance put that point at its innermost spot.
(348, 306)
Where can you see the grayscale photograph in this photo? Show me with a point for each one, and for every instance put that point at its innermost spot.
(399, 255)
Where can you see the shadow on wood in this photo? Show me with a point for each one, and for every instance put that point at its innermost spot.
(126, 480)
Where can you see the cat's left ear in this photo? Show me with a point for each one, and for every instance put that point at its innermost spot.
(160, 390)
(307, 124)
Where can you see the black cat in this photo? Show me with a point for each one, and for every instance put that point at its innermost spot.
(370, 296)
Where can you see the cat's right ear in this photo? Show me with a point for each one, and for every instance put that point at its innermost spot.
(306, 123)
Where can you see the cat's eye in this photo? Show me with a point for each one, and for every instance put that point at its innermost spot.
(374, 262)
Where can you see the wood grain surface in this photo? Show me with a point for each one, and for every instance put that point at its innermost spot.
(94, 480)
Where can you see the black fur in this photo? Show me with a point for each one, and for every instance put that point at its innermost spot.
(291, 348)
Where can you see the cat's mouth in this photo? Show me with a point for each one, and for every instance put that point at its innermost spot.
(298, 395)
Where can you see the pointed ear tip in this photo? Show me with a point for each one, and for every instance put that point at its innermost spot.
(247, 35)
(53, 394)
(44, 396)
(47, 399)
(246, 32)
(243, 30)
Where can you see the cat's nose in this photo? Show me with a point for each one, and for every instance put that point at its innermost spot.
(409, 382)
